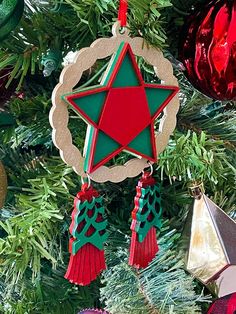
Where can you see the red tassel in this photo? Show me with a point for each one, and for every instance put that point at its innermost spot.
(142, 253)
(85, 265)
(87, 258)
(145, 220)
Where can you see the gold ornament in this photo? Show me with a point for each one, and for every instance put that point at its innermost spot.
(226, 283)
(3, 185)
(211, 237)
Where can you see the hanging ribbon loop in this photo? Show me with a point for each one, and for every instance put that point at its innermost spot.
(122, 14)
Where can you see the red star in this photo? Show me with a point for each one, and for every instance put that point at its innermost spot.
(121, 112)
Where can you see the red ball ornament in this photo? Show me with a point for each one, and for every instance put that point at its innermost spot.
(208, 49)
(224, 305)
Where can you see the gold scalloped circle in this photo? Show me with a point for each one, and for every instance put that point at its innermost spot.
(69, 78)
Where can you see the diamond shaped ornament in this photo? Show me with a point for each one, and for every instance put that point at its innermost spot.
(210, 238)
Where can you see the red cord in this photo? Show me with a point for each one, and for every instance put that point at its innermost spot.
(122, 14)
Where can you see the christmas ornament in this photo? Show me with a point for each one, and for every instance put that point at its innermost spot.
(224, 305)
(51, 61)
(93, 311)
(6, 119)
(3, 184)
(11, 12)
(145, 218)
(70, 76)
(211, 237)
(225, 283)
(208, 49)
(120, 113)
(88, 231)
(225, 287)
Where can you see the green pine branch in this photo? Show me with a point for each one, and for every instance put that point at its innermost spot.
(197, 158)
(50, 293)
(34, 228)
(82, 21)
(163, 287)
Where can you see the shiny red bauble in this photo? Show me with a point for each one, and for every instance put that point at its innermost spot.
(208, 49)
(224, 305)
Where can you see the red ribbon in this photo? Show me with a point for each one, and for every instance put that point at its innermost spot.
(122, 14)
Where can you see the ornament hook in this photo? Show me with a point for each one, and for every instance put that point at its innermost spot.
(88, 179)
(197, 190)
(151, 169)
(118, 30)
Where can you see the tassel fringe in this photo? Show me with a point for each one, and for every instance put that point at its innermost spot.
(85, 265)
(142, 253)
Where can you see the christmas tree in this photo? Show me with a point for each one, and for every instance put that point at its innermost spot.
(36, 212)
